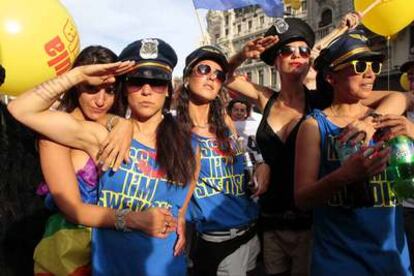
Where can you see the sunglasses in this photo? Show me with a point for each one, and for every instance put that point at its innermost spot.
(361, 67)
(136, 84)
(286, 51)
(206, 70)
(91, 89)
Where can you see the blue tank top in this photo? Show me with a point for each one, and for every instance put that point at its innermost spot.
(138, 186)
(356, 241)
(220, 200)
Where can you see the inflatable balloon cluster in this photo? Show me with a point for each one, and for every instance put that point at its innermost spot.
(38, 41)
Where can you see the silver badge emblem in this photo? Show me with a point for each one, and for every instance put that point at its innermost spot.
(149, 48)
(281, 25)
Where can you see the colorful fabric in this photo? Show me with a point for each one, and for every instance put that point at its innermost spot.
(356, 241)
(220, 200)
(66, 247)
(138, 185)
(270, 7)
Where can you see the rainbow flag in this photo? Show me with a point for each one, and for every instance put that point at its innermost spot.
(65, 249)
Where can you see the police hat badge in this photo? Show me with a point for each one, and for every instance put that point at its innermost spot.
(149, 48)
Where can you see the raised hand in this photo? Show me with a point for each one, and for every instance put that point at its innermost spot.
(350, 20)
(101, 74)
(254, 48)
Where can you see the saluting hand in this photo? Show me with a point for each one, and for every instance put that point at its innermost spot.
(254, 48)
(101, 74)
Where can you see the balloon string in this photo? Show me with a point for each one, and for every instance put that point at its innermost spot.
(370, 7)
(388, 62)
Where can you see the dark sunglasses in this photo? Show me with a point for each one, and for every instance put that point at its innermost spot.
(286, 51)
(91, 89)
(361, 66)
(136, 84)
(206, 70)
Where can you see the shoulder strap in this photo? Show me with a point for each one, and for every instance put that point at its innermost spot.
(269, 104)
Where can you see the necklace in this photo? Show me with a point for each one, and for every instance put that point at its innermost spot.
(201, 126)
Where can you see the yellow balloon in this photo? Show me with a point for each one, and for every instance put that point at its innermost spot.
(388, 17)
(405, 84)
(38, 41)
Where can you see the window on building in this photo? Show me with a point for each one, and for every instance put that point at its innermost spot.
(261, 77)
(288, 10)
(304, 6)
(250, 24)
(227, 32)
(217, 36)
(261, 20)
(239, 28)
(226, 19)
(273, 78)
(326, 18)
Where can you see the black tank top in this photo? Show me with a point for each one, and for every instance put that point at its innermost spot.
(278, 201)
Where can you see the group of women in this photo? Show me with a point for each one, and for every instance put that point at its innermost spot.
(191, 168)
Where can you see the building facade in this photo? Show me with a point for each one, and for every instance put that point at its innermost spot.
(230, 30)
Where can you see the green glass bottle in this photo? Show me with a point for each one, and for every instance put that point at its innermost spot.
(401, 168)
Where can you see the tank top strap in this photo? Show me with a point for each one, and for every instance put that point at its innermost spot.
(269, 104)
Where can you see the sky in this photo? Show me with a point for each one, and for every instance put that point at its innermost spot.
(116, 23)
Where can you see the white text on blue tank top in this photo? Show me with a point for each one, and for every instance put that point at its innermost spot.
(218, 173)
(140, 183)
(379, 186)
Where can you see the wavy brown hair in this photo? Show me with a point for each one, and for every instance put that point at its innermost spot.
(215, 119)
(93, 55)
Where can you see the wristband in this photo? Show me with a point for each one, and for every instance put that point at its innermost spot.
(120, 219)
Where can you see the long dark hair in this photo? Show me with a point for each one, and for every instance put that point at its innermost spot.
(215, 118)
(324, 88)
(93, 55)
(175, 154)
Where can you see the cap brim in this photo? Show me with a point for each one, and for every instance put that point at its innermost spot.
(366, 56)
(150, 73)
(404, 68)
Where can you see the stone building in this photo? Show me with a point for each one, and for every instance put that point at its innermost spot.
(231, 29)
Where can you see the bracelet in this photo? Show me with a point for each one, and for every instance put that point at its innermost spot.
(120, 220)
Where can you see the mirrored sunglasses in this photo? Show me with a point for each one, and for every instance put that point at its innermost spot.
(206, 70)
(287, 50)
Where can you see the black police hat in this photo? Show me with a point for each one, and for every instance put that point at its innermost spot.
(155, 59)
(205, 53)
(404, 68)
(288, 30)
(350, 46)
